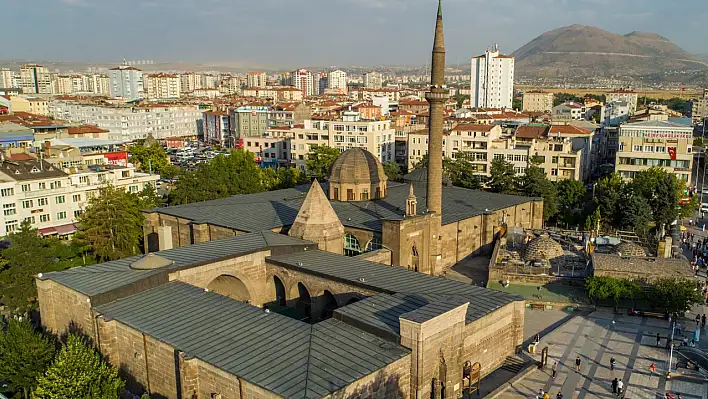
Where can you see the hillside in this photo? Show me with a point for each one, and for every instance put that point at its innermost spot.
(579, 50)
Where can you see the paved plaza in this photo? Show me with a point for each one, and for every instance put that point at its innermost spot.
(595, 338)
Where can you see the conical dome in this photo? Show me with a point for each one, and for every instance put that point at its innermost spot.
(151, 262)
(630, 249)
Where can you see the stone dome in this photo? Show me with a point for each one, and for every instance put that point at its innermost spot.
(357, 175)
(542, 248)
(630, 249)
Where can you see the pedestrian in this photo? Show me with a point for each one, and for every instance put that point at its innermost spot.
(620, 387)
(554, 369)
(546, 396)
(698, 319)
(658, 339)
(703, 321)
(577, 363)
(613, 363)
(541, 393)
(537, 338)
(614, 386)
(652, 369)
(559, 395)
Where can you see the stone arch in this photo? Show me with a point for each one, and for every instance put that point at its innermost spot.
(281, 294)
(304, 302)
(329, 305)
(351, 245)
(415, 259)
(374, 244)
(230, 286)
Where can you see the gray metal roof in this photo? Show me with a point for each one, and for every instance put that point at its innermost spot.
(396, 280)
(285, 356)
(269, 210)
(105, 277)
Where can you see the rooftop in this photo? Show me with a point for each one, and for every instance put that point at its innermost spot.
(659, 124)
(649, 266)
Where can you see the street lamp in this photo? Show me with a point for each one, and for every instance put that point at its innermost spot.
(671, 350)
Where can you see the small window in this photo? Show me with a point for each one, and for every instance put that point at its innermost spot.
(364, 195)
(350, 195)
(336, 194)
(61, 199)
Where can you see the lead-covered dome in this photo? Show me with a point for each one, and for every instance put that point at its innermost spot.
(542, 248)
(356, 175)
(630, 249)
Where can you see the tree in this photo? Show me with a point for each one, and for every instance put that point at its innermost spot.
(634, 213)
(674, 295)
(601, 288)
(290, 177)
(112, 225)
(662, 191)
(149, 157)
(79, 372)
(28, 255)
(607, 196)
(393, 171)
(570, 196)
(462, 172)
(535, 183)
(25, 354)
(320, 160)
(502, 176)
(423, 163)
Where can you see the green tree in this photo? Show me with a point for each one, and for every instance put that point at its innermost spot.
(607, 196)
(25, 354)
(673, 295)
(112, 225)
(634, 213)
(423, 163)
(662, 191)
(149, 157)
(79, 372)
(502, 177)
(517, 103)
(28, 255)
(320, 160)
(602, 288)
(461, 172)
(535, 183)
(290, 177)
(570, 197)
(460, 98)
(393, 171)
(560, 98)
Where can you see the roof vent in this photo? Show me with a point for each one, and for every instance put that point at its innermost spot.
(151, 262)
(299, 264)
(362, 279)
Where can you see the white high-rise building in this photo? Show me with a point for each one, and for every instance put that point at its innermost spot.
(337, 80)
(35, 79)
(257, 79)
(101, 85)
(126, 82)
(492, 84)
(7, 79)
(302, 79)
(373, 80)
(162, 85)
(189, 82)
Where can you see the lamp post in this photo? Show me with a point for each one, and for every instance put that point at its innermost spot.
(671, 350)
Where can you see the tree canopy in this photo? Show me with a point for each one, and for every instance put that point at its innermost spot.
(535, 183)
(149, 157)
(393, 171)
(320, 160)
(502, 177)
(674, 295)
(25, 354)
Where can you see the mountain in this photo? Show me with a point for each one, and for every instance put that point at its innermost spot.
(579, 50)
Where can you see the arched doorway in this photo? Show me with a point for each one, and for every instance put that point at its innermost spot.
(280, 296)
(329, 304)
(415, 260)
(351, 246)
(304, 302)
(231, 287)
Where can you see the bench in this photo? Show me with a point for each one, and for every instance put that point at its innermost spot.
(538, 306)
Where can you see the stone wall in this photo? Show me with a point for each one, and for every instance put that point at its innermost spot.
(60, 307)
(390, 382)
(382, 256)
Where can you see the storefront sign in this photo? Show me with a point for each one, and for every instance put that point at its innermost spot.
(668, 135)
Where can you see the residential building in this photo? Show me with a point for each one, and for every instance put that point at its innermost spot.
(35, 79)
(699, 108)
(209, 81)
(337, 80)
(217, 128)
(615, 113)
(628, 96)
(126, 82)
(7, 79)
(373, 80)
(30, 104)
(13, 135)
(302, 80)
(569, 111)
(655, 143)
(537, 101)
(319, 81)
(492, 81)
(189, 82)
(52, 200)
(257, 79)
(249, 121)
(162, 86)
(129, 123)
(101, 85)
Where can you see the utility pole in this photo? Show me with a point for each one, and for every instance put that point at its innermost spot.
(671, 351)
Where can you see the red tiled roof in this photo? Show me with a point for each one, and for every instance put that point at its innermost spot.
(531, 132)
(473, 127)
(86, 129)
(568, 129)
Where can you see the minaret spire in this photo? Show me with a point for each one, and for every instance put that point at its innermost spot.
(436, 97)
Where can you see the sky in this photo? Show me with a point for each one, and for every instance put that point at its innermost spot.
(291, 33)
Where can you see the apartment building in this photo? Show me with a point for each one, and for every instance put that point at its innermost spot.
(365, 94)
(249, 121)
(699, 108)
(569, 111)
(642, 145)
(537, 101)
(492, 80)
(373, 80)
(162, 86)
(189, 82)
(257, 79)
(35, 79)
(126, 82)
(101, 85)
(303, 80)
(628, 96)
(130, 123)
(337, 80)
(52, 200)
(30, 104)
(217, 128)
(616, 113)
(8, 79)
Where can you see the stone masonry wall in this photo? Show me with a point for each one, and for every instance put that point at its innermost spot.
(60, 307)
(382, 256)
(390, 382)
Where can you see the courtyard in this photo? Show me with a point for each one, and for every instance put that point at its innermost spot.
(596, 337)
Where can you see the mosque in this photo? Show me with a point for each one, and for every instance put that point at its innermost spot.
(327, 291)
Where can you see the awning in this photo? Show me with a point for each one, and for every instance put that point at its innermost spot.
(48, 231)
(66, 229)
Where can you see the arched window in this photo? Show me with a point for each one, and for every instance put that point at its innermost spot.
(374, 245)
(351, 246)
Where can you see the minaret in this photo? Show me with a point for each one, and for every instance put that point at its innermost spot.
(436, 97)
(411, 203)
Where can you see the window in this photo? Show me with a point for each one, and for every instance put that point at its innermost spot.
(26, 188)
(133, 189)
(648, 148)
(55, 184)
(554, 172)
(336, 194)
(351, 246)
(364, 195)
(76, 197)
(30, 219)
(125, 174)
(374, 244)
(42, 186)
(10, 226)
(554, 159)
(44, 218)
(7, 192)
(27, 204)
(637, 148)
(78, 213)
(350, 195)
(9, 209)
(83, 179)
(61, 215)
(60, 199)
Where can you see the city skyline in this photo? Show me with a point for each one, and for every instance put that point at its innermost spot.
(386, 32)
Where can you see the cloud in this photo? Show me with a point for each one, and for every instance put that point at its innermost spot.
(75, 3)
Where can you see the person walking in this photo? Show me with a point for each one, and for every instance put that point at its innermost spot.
(703, 321)
(620, 387)
(652, 369)
(577, 363)
(554, 369)
(559, 395)
(658, 339)
(613, 362)
(614, 386)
